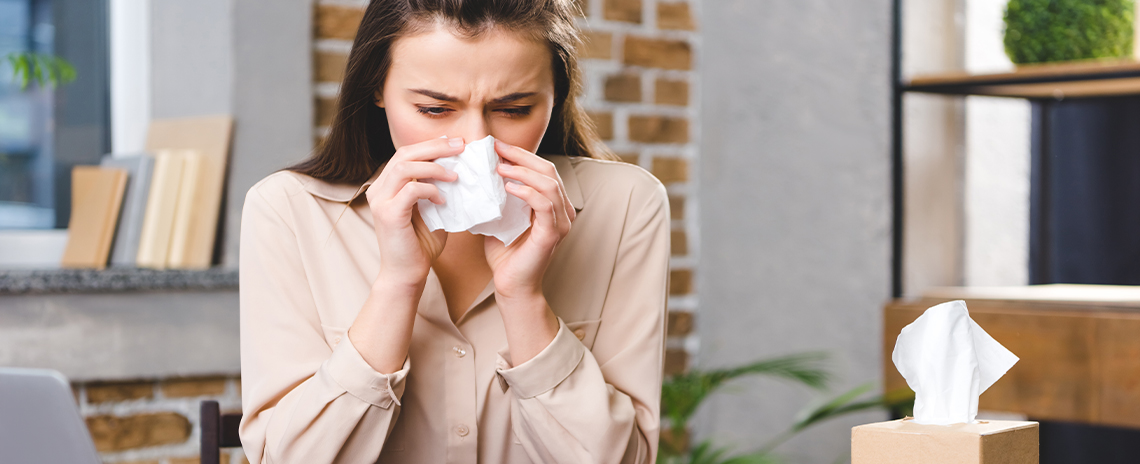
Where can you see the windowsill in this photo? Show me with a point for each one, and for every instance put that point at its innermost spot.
(24, 282)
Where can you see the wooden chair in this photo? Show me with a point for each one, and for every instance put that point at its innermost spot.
(218, 431)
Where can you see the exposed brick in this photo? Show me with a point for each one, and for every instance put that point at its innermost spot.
(631, 158)
(604, 124)
(680, 323)
(337, 21)
(676, 361)
(670, 92)
(185, 388)
(599, 45)
(658, 53)
(658, 129)
(102, 392)
(676, 207)
(193, 460)
(678, 243)
(669, 170)
(675, 16)
(623, 88)
(113, 433)
(326, 108)
(680, 282)
(329, 66)
(622, 10)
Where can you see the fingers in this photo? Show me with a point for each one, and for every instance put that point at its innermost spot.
(545, 228)
(429, 150)
(550, 188)
(400, 207)
(520, 157)
(525, 158)
(396, 175)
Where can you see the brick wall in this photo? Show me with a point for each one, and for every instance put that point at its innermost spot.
(154, 421)
(639, 63)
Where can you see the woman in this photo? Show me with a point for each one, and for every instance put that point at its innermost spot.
(367, 338)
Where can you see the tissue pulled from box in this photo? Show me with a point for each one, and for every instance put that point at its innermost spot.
(948, 360)
(477, 201)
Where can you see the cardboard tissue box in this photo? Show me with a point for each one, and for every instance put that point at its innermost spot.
(948, 360)
(983, 442)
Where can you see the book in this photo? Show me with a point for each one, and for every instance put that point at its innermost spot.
(189, 193)
(158, 220)
(139, 167)
(96, 196)
(210, 136)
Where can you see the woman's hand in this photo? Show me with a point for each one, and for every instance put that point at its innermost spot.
(407, 248)
(519, 268)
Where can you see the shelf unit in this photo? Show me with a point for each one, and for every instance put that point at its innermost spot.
(1043, 83)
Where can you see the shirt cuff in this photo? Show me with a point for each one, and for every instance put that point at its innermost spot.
(548, 368)
(349, 370)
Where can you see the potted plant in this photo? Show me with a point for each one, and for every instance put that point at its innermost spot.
(1044, 31)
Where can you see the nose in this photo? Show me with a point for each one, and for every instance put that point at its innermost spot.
(475, 127)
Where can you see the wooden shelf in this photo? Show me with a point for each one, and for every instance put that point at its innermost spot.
(1058, 80)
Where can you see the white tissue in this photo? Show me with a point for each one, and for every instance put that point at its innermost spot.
(477, 201)
(948, 360)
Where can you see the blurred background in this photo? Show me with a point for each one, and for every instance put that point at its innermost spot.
(828, 162)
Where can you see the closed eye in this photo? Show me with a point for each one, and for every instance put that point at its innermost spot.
(433, 111)
(515, 111)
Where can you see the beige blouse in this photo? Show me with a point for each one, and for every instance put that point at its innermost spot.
(308, 260)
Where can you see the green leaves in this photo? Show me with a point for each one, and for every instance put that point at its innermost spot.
(1039, 31)
(28, 67)
(681, 394)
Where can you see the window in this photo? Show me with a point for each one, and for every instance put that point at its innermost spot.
(45, 131)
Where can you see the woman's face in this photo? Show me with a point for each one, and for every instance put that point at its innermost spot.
(499, 84)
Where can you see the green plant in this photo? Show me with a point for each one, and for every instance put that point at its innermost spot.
(28, 67)
(682, 394)
(1040, 31)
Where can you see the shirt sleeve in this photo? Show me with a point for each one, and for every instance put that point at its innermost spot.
(302, 401)
(572, 404)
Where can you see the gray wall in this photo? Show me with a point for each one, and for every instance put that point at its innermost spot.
(794, 207)
(249, 58)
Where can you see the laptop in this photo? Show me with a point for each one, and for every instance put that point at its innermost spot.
(39, 421)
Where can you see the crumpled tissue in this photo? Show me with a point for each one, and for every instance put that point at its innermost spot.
(477, 201)
(948, 360)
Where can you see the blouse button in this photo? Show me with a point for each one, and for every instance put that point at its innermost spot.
(580, 333)
(336, 341)
(459, 351)
(462, 430)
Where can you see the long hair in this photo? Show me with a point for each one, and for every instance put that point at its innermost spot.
(359, 140)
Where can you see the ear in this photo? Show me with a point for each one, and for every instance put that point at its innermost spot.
(378, 98)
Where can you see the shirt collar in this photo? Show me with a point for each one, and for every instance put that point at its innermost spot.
(346, 193)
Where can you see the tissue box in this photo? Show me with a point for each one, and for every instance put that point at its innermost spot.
(905, 442)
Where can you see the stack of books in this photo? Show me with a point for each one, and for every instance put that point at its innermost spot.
(155, 211)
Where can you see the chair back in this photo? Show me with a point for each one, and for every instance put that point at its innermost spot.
(218, 431)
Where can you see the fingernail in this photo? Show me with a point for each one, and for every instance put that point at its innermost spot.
(506, 167)
(455, 141)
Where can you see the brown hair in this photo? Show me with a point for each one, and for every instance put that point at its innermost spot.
(360, 127)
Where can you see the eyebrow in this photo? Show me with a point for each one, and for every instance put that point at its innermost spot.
(448, 98)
